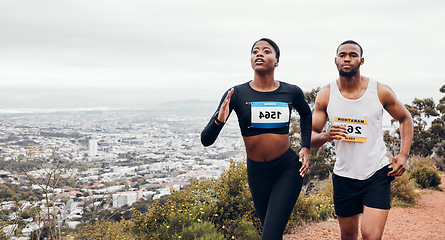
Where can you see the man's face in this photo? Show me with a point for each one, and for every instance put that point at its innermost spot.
(348, 60)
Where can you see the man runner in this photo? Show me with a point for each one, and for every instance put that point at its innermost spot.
(353, 105)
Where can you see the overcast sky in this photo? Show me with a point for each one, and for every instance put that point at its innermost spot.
(157, 51)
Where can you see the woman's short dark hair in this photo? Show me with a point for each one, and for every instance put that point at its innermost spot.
(273, 44)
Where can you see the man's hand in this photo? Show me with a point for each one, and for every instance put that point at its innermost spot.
(398, 166)
(336, 132)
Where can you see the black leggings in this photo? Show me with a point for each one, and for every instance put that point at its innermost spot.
(275, 186)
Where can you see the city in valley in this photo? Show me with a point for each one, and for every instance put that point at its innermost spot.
(108, 159)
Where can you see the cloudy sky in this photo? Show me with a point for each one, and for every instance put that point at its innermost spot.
(139, 51)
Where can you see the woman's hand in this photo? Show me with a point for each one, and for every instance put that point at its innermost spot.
(304, 159)
(224, 109)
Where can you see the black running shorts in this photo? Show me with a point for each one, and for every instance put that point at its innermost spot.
(350, 195)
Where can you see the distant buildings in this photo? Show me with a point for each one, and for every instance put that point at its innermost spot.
(92, 147)
(126, 198)
(150, 153)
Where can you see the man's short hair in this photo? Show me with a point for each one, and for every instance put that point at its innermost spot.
(351, 42)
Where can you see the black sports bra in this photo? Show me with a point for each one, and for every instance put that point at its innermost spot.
(263, 112)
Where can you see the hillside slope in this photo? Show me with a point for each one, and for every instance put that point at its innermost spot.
(424, 221)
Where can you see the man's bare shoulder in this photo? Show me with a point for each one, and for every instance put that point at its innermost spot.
(384, 88)
(386, 94)
(323, 95)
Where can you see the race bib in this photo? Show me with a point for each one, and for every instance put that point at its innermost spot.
(269, 114)
(357, 128)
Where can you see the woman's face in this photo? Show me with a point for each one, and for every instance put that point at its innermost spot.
(263, 57)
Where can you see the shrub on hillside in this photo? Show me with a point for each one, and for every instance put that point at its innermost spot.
(403, 191)
(224, 203)
(102, 230)
(438, 162)
(199, 231)
(324, 207)
(417, 161)
(311, 208)
(316, 204)
(326, 188)
(304, 211)
(426, 177)
(175, 219)
(215, 209)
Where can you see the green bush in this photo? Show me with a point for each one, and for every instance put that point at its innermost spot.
(316, 205)
(426, 177)
(327, 189)
(235, 202)
(403, 191)
(216, 209)
(311, 208)
(226, 203)
(417, 161)
(324, 207)
(179, 217)
(101, 230)
(438, 162)
(246, 230)
(200, 231)
(304, 211)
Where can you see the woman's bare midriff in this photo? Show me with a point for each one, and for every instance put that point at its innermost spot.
(266, 147)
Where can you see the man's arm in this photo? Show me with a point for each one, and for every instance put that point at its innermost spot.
(319, 120)
(396, 109)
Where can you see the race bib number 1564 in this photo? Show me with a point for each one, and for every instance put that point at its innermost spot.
(269, 114)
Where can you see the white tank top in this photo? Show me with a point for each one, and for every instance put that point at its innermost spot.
(362, 153)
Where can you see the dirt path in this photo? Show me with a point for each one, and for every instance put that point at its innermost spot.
(424, 221)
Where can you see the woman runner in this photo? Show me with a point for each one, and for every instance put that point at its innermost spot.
(263, 106)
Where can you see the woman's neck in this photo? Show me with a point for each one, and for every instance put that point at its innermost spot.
(264, 82)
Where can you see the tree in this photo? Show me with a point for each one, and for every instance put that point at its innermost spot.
(321, 161)
(429, 126)
(49, 174)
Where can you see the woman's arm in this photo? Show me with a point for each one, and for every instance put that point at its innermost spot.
(305, 113)
(216, 123)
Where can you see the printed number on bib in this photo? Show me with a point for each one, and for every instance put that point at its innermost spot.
(269, 114)
(357, 128)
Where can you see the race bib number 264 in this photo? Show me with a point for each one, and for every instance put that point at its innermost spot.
(357, 128)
